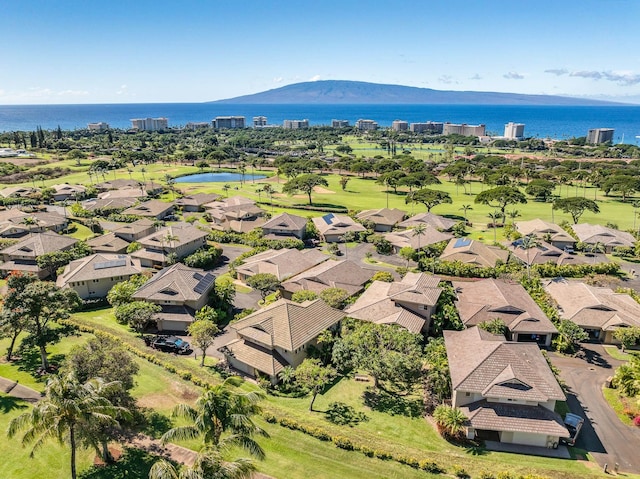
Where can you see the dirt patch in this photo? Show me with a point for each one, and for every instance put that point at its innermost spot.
(175, 393)
(322, 191)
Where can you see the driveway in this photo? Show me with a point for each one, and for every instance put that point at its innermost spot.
(603, 434)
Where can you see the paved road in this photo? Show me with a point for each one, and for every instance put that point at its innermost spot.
(603, 435)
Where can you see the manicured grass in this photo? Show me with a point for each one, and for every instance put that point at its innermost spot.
(617, 404)
(80, 231)
(616, 353)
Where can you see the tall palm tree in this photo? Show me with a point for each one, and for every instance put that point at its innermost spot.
(221, 410)
(226, 189)
(208, 464)
(528, 242)
(419, 230)
(513, 214)
(495, 216)
(68, 412)
(466, 208)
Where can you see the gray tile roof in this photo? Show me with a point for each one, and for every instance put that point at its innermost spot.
(479, 301)
(109, 204)
(407, 238)
(37, 244)
(176, 283)
(184, 232)
(332, 224)
(288, 325)
(151, 208)
(382, 216)
(197, 199)
(265, 360)
(473, 252)
(436, 221)
(478, 362)
(588, 233)
(286, 222)
(541, 228)
(108, 243)
(282, 263)
(330, 274)
(99, 265)
(594, 307)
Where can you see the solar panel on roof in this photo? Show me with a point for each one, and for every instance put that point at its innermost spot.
(328, 218)
(204, 283)
(110, 264)
(198, 276)
(462, 242)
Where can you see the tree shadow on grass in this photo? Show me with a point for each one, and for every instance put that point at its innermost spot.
(133, 463)
(153, 423)
(30, 362)
(382, 401)
(8, 404)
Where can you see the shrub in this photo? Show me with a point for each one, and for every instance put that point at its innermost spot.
(343, 443)
(460, 472)
(384, 455)
(409, 461)
(367, 451)
(636, 421)
(344, 415)
(270, 418)
(486, 475)
(506, 475)
(430, 466)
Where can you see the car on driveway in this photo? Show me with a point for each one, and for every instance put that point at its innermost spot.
(171, 344)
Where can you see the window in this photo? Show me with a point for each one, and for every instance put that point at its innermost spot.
(467, 394)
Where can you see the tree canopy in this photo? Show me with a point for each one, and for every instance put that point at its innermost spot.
(304, 183)
(429, 198)
(500, 197)
(576, 206)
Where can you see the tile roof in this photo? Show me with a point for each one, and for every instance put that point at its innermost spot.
(436, 221)
(494, 416)
(407, 238)
(282, 263)
(473, 252)
(135, 227)
(37, 244)
(184, 232)
(594, 307)
(332, 224)
(176, 283)
(286, 222)
(382, 216)
(99, 265)
(478, 362)
(288, 325)
(197, 199)
(109, 204)
(544, 253)
(265, 360)
(541, 228)
(490, 298)
(330, 274)
(108, 243)
(150, 208)
(132, 193)
(588, 233)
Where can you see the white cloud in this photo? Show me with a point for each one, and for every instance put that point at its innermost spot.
(314, 78)
(447, 80)
(557, 71)
(278, 80)
(475, 77)
(73, 93)
(621, 77)
(122, 90)
(513, 76)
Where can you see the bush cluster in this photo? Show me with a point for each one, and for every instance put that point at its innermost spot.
(254, 240)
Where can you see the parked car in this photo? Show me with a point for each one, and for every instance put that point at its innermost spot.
(574, 423)
(171, 344)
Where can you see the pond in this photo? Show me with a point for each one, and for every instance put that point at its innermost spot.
(217, 178)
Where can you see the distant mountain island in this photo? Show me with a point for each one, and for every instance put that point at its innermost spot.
(331, 92)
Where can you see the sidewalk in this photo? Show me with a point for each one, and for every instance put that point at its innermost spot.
(12, 388)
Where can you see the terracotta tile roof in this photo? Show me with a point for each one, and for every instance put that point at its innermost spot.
(176, 283)
(407, 238)
(99, 265)
(288, 325)
(514, 417)
(488, 299)
(473, 252)
(282, 263)
(478, 363)
(594, 307)
(382, 216)
(436, 221)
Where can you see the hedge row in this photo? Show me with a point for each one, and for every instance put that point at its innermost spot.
(347, 444)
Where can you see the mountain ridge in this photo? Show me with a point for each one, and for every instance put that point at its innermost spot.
(345, 92)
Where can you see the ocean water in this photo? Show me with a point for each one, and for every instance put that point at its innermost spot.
(541, 121)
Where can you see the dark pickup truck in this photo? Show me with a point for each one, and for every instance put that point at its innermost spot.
(169, 344)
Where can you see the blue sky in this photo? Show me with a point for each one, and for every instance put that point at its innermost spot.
(191, 51)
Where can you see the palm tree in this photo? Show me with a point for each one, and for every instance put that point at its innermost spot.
(513, 214)
(287, 375)
(226, 189)
(528, 242)
(208, 464)
(221, 410)
(495, 216)
(143, 171)
(68, 412)
(419, 230)
(449, 419)
(466, 208)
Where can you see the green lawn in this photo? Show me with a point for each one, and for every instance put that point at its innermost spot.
(617, 404)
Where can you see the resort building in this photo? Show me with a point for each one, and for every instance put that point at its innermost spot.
(399, 125)
(430, 127)
(259, 121)
(514, 131)
(596, 136)
(463, 129)
(228, 122)
(100, 126)
(339, 123)
(295, 124)
(149, 124)
(366, 125)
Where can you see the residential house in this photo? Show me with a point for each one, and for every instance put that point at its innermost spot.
(409, 303)
(473, 252)
(67, 192)
(119, 184)
(151, 209)
(134, 231)
(180, 240)
(237, 214)
(18, 191)
(506, 390)
(285, 225)
(332, 273)
(133, 193)
(180, 291)
(599, 311)
(108, 243)
(196, 202)
(411, 239)
(549, 232)
(608, 238)
(544, 252)
(93, 276)
(383, 219)
(23, 255)
(488, 299)
(332, 228)
(428, 219)
(15, 223)
(278, 336)
(109, 205)
(282, 263)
